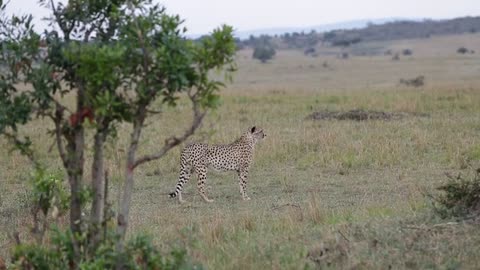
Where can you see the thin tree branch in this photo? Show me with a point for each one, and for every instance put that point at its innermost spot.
(142, 44)
(16, 237)
(13, 137)
(57, 119)
(95, 25)
(154, 112)
(174, 141)
(54, 9)
(63, 26)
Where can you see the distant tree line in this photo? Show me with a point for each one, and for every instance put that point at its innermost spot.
(403, 30)
(295, 40)
(373, 32)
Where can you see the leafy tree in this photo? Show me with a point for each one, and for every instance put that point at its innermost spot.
(264, 49)
(116, 58)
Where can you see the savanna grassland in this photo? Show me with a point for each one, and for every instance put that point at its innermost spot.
(338, 194)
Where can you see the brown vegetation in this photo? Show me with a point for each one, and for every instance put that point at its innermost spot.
(361, 115)
(415, 82)
(355, 115)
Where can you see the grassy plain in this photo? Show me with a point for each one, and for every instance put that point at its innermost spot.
(335, 194)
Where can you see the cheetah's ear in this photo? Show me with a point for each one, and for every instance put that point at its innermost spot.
(253, 129)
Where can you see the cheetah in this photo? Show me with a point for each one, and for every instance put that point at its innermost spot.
(237, 156)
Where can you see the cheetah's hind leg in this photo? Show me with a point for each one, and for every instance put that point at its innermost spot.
(185, 173)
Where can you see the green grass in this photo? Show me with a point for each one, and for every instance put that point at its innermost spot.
(334, 194)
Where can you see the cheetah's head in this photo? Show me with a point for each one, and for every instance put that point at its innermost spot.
(257, 134)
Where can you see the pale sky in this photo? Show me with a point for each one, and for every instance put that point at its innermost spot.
(202, 16)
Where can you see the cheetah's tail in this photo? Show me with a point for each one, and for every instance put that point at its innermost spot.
(173, 194)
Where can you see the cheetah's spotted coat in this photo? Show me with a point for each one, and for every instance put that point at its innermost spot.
(237, 156)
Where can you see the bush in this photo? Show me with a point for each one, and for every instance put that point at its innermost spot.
(139, 253)
(415, 82)
(49, 194)
(49, 198)
(460, 197)
(407, 52)
(462, 50)
(310, 51)
(343, 55)
(345, 42)
(264, 52)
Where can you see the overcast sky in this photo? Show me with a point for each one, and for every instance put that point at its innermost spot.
(203, 15)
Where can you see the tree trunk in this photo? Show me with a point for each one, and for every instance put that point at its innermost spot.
(98, 187)
(75, 202)
(75, 145)
(124, 205)
(75, 178)
(75, 164)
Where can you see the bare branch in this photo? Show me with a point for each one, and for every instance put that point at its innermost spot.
(94, 25)
(57, 119)
(154, 112)
(54, 9)
(13, 137)
(63, 26)
(142, 44)
(174, 141)
(39, 224)
(16, 237)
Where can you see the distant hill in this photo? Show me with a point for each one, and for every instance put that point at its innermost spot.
(354, 24)
(403, 30)
(353, 32)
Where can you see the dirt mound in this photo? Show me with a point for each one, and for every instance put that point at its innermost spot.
(359, 115)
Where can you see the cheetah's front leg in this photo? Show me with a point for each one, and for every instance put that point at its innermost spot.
(202, 178)
(243, 175)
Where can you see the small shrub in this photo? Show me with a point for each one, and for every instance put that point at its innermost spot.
(48, 191)
(460, 197)
(415, 82)
(264, 49)
(462, 50)
(310, 52)
(474, 153)
(343, 55)
(407, 52)
(263, 53)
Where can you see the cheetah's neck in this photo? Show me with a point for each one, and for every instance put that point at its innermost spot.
(245, 139)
